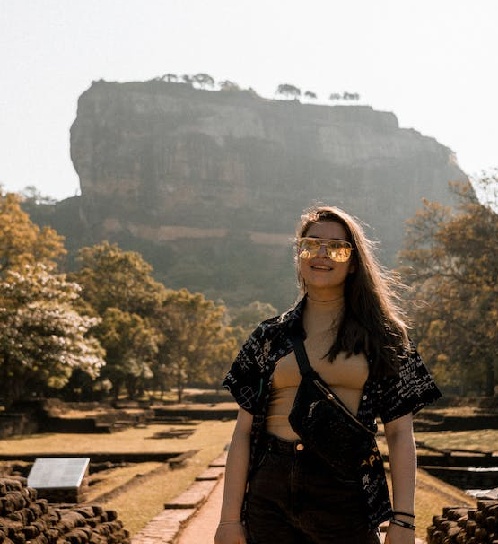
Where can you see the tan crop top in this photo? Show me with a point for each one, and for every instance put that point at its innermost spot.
(345, 376)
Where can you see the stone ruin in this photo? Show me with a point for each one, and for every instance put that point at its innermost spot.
(461, 525)
(25, 518)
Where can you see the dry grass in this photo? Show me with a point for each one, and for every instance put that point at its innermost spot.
(430, 498)
(149, 485)
(143, 502)
(433, 494)
(132, 440)
(480, 440)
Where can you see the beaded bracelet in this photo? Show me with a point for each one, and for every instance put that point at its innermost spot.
(407, 514)
(401, 523)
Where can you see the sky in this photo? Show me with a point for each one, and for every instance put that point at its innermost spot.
(433, 63)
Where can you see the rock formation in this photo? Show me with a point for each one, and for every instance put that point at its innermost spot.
(208, 184)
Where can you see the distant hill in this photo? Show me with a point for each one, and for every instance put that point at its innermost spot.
(208, 185)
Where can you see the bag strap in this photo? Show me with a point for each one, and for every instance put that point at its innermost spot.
(305, 368)
(301, 355)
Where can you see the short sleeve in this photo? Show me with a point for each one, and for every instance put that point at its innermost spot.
(409, 391)
(246, 377)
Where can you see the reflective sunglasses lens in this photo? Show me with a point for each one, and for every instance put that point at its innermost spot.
(308, 248)
(337, 250)
(339, 255)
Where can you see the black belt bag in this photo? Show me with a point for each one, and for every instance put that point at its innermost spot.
(324, 423)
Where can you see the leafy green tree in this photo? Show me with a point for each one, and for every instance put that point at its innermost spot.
(131, 345)
(223, 353)
(21, 241)
(118, 286)
(289, 91)
(451, 264)
(204, 80)
(228, 85)
(169, 77)
(43, 338)
(191, 327)
(335, 96)
(350, 96)
(33, 196)
(310, 95)
(113, 278)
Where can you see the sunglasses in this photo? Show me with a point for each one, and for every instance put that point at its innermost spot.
(337, 250)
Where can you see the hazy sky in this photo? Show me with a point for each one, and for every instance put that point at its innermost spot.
(431, 62)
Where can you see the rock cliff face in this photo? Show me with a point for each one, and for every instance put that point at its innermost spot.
(209, 185)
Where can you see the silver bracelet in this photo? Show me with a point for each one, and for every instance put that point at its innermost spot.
(401, 523)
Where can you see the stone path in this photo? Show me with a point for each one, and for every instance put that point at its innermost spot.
(192, 517)
(202, 526)
(191, 513)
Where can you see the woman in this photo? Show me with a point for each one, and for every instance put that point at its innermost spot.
(276, 489)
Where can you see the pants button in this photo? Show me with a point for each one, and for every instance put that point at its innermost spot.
(299, 447)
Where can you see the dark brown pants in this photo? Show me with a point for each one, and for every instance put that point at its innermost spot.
(294, 498)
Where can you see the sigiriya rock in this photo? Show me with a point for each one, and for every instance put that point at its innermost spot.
(208, 185)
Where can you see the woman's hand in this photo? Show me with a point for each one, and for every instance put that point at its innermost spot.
(230, 533)
(399, 535)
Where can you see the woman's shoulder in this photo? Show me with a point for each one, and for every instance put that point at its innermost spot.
(248, 377)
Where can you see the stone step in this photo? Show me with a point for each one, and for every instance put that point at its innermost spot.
(194, 496)
(211, 473)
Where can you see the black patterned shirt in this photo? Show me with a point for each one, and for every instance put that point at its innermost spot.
(250, 377)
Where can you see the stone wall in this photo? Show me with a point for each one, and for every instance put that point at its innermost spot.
(24, 518)
(459, 525)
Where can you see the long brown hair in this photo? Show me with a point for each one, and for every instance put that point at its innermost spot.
(373, 321)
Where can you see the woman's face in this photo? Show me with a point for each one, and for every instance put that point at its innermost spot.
(325, 279)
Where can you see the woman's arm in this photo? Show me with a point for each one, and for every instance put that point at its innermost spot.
(403, 465)
(230, 530)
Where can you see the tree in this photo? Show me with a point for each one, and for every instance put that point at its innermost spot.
(118, 286)
(43, 338)
(169, 77)
(223, 354)
(192, 328)
(228, 86)
(350, 96)
(287, 90)
(203, 80)
(113, 278)
(21, 241)
(131, 345)
(32, 195)
(310, 95)
(346, 95)
(249, 316)
(451, 265)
